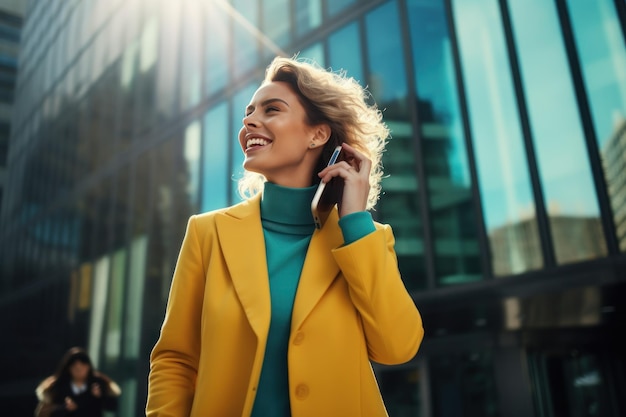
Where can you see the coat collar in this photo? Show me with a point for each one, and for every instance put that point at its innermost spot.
(240, 233)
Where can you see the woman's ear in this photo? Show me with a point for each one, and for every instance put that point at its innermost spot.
(321, 134)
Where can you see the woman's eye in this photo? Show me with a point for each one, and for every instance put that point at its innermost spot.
(269, 109)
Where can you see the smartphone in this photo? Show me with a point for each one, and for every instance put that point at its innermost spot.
(327, 194)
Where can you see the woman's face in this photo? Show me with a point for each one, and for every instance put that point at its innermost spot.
(276, 139)
(79, 371)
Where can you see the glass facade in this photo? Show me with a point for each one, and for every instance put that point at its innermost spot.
(11, 20)
(504, 185)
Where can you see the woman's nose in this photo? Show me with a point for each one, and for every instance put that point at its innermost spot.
(250, 119)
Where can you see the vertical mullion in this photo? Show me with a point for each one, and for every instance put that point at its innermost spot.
(620, 7)
(418, 151)
(545, 234)
(483, 239)
(608, 224)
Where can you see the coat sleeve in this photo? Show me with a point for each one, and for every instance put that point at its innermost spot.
(391, 322)
(174, 359)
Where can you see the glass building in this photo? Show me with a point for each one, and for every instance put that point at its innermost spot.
(11, 19)
(506, 184)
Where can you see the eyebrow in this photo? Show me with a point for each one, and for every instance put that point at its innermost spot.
(266, 102)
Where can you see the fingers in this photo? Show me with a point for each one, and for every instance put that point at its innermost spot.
(95, 390)
(355, 170)
(70, 404)
(354, 166)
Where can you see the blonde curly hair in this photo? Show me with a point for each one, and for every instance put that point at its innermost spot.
(339, 101)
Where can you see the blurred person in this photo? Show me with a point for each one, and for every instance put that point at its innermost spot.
(76, 389)
(267, 315)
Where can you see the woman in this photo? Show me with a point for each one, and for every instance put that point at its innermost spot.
(268, 316)
(76, 390)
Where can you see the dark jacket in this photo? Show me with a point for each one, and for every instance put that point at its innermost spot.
(52, 399)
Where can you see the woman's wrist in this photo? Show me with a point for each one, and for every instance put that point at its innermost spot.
(355, 226)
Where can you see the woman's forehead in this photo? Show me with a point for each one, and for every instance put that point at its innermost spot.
(273, 89)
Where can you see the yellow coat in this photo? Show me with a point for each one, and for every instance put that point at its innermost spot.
(351, 307)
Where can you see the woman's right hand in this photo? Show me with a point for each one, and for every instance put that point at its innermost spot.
(70, 405)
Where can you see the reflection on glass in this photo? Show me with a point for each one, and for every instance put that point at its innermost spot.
(463, 385)
(135, 297)
(148, 57)
(192, 39)
(215, 144)
(128, 70)
(308, 15)
(600, 44)
(128, 400)
(507, 199)
(113, 338)
(141, 195)
(344, 51)
(314, 52)
(148, 44)
(85, 284)
(399, 205)
(191, 153)
(239, 102)
(276, 20)
(98, 307)
(456, 250)
(577, 384)
(400, 390)
(557, 133)
(245, 43)
(215, 45)
(169, 46)
(336, 6)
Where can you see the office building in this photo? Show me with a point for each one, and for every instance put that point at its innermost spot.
(504, 203)
(11, 18)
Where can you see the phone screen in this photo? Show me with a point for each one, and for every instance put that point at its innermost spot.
(327, 194)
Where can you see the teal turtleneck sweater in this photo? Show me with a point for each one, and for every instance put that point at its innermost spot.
(287, 229)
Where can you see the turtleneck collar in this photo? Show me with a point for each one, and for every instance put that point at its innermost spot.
(286, 209)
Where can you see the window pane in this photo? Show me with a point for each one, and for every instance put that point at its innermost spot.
(216, 35)
(113, 338)
(135, 298)
(600, 42)
(192, 163)
(507, 199)
(558, 137)
(98, 307)
(276, 20)
(399, 205)
(336, 6)
(463, 385)
(245, 42)
(314, 52)
(308, 15)
(191, 78)
(216, 178)
(344, 51)
(167, 81)
(456, 249)
(400, 390)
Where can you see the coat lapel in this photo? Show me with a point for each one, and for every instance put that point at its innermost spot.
(319, 271)
(241, 236)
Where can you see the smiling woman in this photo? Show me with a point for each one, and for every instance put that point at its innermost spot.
(292, 330)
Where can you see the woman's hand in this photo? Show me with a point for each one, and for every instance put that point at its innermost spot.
(355, 171)
(96, 391)
(70, 405)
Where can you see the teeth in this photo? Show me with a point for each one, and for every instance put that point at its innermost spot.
(256, 141)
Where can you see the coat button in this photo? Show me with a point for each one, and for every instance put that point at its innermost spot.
(302, 391)
(298, 339)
